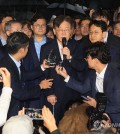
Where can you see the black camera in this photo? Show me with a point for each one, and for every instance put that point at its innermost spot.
(51, 60)
(96, 114)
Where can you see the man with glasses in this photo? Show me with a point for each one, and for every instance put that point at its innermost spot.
(32, 60)
(4, 18)
(63, 28)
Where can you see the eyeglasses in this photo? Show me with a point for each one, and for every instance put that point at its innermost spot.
(95, 33)
(64, 30)
(39, 26)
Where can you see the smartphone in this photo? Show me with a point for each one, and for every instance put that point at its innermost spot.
(33, 113)
(85, 98)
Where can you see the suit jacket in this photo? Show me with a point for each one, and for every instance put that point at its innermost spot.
(31, 62)
(20, 91)
(113, 43)
(63, 93)
(110, 86)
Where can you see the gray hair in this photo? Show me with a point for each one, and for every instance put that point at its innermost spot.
(9, 23)
(21, 124)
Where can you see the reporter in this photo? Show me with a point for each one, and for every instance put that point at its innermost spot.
(5, 97)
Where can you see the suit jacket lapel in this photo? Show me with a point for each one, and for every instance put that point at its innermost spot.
(13, 66)
(107, 83)
(93, 83)
(33, 52)
(57, 52)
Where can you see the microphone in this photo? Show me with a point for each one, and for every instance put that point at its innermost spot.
(64, 42)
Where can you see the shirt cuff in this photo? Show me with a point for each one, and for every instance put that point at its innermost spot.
(42, 68)
(7, 90)
(67, 79)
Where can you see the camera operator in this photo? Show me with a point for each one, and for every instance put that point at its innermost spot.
(5, 97)
(98, 58)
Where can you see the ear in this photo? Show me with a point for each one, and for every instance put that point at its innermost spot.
(21, 50)
(54, 31)
(8, 33)
(108, 22)
(32, 27)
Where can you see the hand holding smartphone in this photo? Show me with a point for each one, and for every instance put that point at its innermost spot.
(34, 113)
(85, 98)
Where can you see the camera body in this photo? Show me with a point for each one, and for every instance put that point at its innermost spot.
(51, 60)
(96, 114)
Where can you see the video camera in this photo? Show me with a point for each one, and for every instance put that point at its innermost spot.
(96, 114)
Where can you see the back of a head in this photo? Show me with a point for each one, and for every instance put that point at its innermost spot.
(18, 125)
(16, 41)
(100, 51)
(74, 121)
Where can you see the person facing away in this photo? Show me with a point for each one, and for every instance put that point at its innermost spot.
(104, 78)
(17, 45)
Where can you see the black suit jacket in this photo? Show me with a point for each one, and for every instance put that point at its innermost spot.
(20, 91)
(111, 89)
(113, 43)
(31, 62)
(63, 93)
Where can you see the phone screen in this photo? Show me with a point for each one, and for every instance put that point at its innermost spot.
(85, 98)
(33, 113)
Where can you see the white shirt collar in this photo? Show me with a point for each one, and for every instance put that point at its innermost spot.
(17, 63)
(60, 47)
(106, 37)
(101, 75)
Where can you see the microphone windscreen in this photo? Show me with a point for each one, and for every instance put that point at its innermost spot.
(64, 42)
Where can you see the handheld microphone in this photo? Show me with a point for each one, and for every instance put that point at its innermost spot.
(64, 42)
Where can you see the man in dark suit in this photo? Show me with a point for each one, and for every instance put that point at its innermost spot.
(63, 27)
(98, 32)
(105, 78)
(32, 60)
(17, 45)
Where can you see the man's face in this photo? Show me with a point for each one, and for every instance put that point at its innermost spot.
(4, 21)
(77, 28)
(84, 27)
(39, 27)
(96, 34)
(64, 30)
(15, 27)
(27, 31)
(116, 30)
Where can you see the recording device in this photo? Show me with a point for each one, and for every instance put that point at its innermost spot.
(64, 42)
(96, 114)
(85, 98)
(34, 113)
(51, 60)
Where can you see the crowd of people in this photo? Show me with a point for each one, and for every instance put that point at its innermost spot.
(51, 65)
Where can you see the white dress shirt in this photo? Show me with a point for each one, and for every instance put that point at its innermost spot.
(60, 50)
(5, 99)
(100, 79)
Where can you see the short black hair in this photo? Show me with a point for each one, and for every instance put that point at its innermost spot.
(16, 41)
(100, 51)
(2, 16)
(83, 19)
(100, 24)
(59, 19)
(36, 17)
